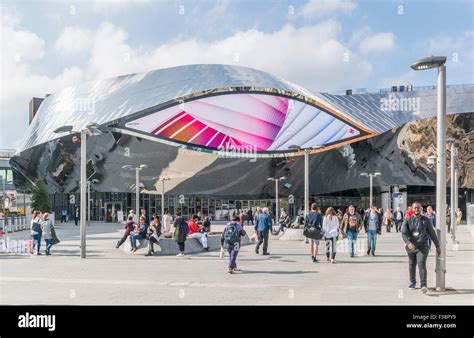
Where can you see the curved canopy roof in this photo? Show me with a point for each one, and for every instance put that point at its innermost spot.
(212, 107)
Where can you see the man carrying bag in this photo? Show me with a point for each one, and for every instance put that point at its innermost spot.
(313, 230)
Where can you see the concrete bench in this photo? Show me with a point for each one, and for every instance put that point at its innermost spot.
(170, 247)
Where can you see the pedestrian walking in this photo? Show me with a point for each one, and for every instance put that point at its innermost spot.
(398, 218)
(76, 216)
(231, 240)
(314, 219)
(415, 233)
(64, 215)
(351, 225)
(331, 232)
(374, 227)
(263, 226)
(388, 219)
(181, 230)
(47, 232)
(36, 231)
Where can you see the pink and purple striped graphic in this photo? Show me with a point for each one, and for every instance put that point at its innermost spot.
(244, 121)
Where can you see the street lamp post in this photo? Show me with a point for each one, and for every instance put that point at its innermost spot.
(307, 151)
(423, 64)
(90, 129)
(137, 186)
(163, 199)
(370, 176)
(451, 142)
(277, 202)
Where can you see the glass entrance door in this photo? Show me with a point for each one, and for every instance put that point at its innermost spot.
(113, 212)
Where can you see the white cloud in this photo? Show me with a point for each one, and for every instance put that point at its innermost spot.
(380, 42)
(310, 56)
(73, 40)
(20, 49)
(458, 49)
(324, 7)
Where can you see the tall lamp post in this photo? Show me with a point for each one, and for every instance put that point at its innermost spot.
(370, 176)
(423, 64)
(137, 185)
(277, 201)
(163, 198)
(307, 151)
(90, 129)
(453, 203)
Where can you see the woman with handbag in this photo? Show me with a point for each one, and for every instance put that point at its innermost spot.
(35, 230)
(47, 228)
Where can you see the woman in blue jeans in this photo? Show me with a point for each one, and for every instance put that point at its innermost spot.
(138, 233)
(47, 227)
(373, 226)
(36, 235)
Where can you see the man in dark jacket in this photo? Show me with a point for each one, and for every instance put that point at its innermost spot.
(179, 235)
(416, 231)
(249, 216)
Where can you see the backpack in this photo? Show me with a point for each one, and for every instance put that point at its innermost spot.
(231, 234)
(185, 227)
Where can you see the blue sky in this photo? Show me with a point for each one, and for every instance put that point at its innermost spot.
(323, 45)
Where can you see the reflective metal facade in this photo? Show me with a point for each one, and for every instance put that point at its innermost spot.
(112, 101)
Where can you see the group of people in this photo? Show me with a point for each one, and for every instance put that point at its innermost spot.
(197, 227)
(417, 229)
(42, 228)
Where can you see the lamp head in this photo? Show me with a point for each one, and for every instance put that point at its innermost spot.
(429, 62)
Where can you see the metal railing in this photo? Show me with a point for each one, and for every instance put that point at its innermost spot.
(389, 90)
(13, 223)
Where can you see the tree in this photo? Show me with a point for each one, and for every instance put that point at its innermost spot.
(40, 197)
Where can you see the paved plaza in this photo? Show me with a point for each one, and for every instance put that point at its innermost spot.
(288, 276)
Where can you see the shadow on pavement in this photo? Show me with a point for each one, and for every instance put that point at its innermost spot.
(275, 272)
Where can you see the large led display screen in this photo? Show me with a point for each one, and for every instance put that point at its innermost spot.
(240, 121)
